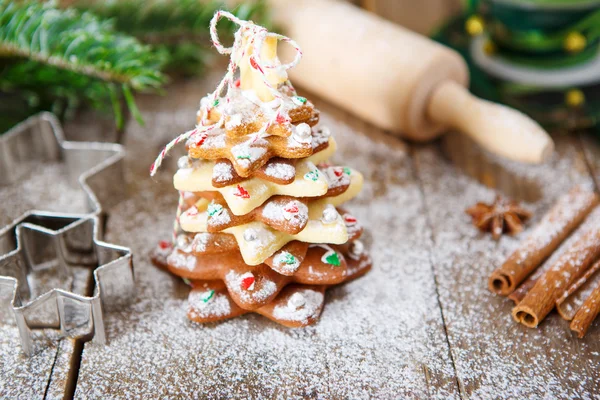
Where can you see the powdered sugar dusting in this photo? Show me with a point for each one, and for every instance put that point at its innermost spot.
(222, 172)
(282, 171)
(308, 307)
(495, 357)
(199, 306)
(388, 318)
(267, 287)
(286, 262)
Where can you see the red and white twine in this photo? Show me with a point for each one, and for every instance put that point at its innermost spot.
(256, 36)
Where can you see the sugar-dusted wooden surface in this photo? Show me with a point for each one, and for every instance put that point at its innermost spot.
(421, 324)
(494, 356)
(381, 335)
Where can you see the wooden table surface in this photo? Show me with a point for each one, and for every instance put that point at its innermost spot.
(421, 324)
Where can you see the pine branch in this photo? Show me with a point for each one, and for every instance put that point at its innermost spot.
(177, 28)
(71, 57)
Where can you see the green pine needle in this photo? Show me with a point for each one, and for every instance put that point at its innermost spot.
(66, 58)
(178, 28)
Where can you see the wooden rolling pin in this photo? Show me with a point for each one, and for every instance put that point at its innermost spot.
(399, 80)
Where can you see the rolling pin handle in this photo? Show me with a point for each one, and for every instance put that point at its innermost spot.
(497, 128)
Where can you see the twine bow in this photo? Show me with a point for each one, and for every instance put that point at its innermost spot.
(256, 36)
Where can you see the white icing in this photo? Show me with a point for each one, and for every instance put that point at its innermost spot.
(302, 133)
(183, 243)
(184, 162)
(296, 300)
(357, 249)
(311, 308)
(250, 235)
(330, 215)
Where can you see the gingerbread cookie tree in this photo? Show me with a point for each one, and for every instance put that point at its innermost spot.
(259, 226)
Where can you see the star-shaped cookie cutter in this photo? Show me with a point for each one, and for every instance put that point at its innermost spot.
(57, 245)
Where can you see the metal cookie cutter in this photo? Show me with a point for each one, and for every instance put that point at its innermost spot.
(53, 247)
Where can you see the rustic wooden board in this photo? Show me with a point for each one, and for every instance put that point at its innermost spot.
(591, 151)
(379, 336)
(37, 377)
(494, 356)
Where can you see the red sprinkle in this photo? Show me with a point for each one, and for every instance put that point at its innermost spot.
(241, 192)
(200, 141)
(237, 83)
(349, 219)
(291, 208)
(338, 172)
(163, 244)
(247, 282)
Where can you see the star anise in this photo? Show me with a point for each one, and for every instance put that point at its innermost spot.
(499, 217)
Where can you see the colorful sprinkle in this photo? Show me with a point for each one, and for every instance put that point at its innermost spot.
(242, 157)
(312, 175)
(200, 141)
(349, 219)
(164, 244)
(338, 172)
(291, 208)
(331, 258)
(237, 83)
(247, 282)
(289, 259)
(216, 102)
(241, 192)
(206, 296)
(214, 209)
(299, 100)
(347, 171)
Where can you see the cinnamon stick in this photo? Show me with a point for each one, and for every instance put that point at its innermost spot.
(587, 313)
(571, 265)
(572, 300)
(566, 215)
(521, 291)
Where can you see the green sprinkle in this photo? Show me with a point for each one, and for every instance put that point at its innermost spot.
(243, 157)
(207, 296)
(216, 102)
(312, 175)
(214, 209)
(347, 171)
(333, 259)
(289, 259)
(299, 99)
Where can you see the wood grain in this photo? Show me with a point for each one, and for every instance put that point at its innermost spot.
(45, 373)
(494, 356)
(379, 336)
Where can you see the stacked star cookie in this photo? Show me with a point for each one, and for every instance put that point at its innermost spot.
(259, 226)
